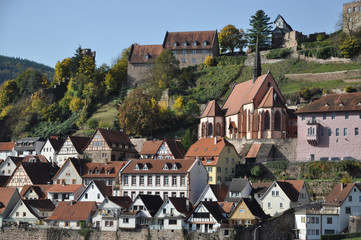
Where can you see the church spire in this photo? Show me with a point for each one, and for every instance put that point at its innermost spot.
(257, 64)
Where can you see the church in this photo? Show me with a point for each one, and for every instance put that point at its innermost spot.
(254, 109)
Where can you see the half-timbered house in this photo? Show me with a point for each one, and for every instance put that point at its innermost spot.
(163, 149)
(71, 148)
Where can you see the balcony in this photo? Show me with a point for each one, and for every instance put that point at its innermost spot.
(313, 133)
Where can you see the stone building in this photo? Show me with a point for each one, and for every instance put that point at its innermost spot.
(351, 16)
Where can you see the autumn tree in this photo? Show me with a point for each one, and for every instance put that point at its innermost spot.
(139, 113)
(8, 92)
(30, 81)
(231, 38)
(350, 47)
(260, 27)
(62, 71)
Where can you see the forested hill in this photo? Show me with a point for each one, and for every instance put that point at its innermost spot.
(11, 67)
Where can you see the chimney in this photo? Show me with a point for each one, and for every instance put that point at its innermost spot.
(342, 186)
(215, 140)
(198, 158)
(257, 63)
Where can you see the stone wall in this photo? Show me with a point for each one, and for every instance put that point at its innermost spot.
(328, 76)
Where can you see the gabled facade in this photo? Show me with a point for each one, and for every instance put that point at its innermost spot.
(214, 192)
(51, 148)
(163, 149)
(29, 146)
(9, 197)
(281, 27)
(70, 172)
(29, 173)
(8, 166)
(239, 188)
(107, 216)
(59, 192)
(110, 145)
(282, 195)
(96, 191)
(177, 178)
(218, 156)
(72, 214)
(172, 213)
(328, 123)
(71, 148)
(247, 212)
(259, 189)
(7, 149)
(35, 192)
(31, 211)
(206, 217)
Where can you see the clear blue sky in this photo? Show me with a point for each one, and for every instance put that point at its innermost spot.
(47, 31)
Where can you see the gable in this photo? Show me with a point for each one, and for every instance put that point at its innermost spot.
(241, 211)
(19, 178)
(68, 170)
(21, 208)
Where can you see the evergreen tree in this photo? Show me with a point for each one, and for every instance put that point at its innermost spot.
(188, 139)
(261, 26)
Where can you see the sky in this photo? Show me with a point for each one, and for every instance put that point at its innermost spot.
(47, 31)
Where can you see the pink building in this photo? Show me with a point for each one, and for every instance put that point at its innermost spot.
(329, 128)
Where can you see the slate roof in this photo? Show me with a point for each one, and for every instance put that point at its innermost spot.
(280, 17)
(339, 193)
(56, 143)
(220, 191)
(124, 201)
(215, 210)
(138, 53)
(212, 110)
(151, 202)
(15, 160)
(189, 38)
(7, 146)
(104, 189)
(3, 180)
(73, 211)
(237, 185)
(181, 205)
(156, 166)
(205, 147)
(5, 196)
(334, 103)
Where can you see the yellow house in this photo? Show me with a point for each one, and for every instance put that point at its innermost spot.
(247, 212)
(218, 156)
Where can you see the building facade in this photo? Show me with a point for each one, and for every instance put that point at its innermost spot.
(351, 16)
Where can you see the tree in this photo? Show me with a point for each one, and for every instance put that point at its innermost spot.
(75, 104)
(8, 92)
(75, 61)
(231, 38)
(87, 66)
(261, 27)
(350, 47)
(188, 139)
(139, 113)
(62, 71)
(209, 61)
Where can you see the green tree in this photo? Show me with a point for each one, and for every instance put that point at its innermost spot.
(62, 71)
(350, 47)
(30, 81)
(260, 26)
(209, 61)
(8, 92)
(231, 38)
(188, 139)
(139, 113)
(75, 61)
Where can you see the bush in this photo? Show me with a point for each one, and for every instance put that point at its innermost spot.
(278, 53)
(209, 61)
(350, 47)
(230, 60)
(93, 123)
(320, 37)
(350, 89)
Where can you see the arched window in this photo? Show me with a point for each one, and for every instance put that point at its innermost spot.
(218, 129)
(267, 121)
(210, 129)
(277, 123)
(203, 130)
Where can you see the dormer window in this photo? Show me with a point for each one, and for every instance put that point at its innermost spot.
(185, 44)
(205, 43)
(145, 167)
(209, 160)
(136, 167)
(108, 172)
(215, 149)
(326, 105)
(90, 172)
(175, 44)
(165, 167)
(358, 104)
(205, 149)
(341, 104)
(97, 171)
(195, 43)
(195, 149)
(147, 56)
(174, 167)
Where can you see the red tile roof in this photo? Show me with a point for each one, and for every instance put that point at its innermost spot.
(156, 166)
(79, 142)
(114, 166)
(334, 103)
(291, 188)
(338, 194)
(65, 188)
(35, 158)
(212, 109)
(73, 211)
(5, 196)
(252, 153)
(6, 146)
(151, 147)
(190, 38)
(205, 147)
(40, 190)
(219, 190)
(138, 53)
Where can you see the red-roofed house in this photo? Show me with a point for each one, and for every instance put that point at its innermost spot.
(284, 194)
(52, 147)
(214, 192)
(176, 178)
(34, 192)
(59, 192)
(7, 149)
(96, 191)
(328, 123)
(9, 197)
(8, 166)
(71, 214)
(163, 149)
(110, 145)
(218, 156)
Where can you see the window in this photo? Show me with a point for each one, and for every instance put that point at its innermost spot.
(193, 60)
(174, 180)
(356, 131)
(348, 10)
(24, 214)
(125, 220)
(333, 115)
(345, 131)
(175, 44)
(86, 196)
(329, 220)
(142, 180)
(329, 132)
(125, 180)
(317, 220)
(98, 196)
(182, 195)
(348, 210)
(183, 60)
(194, 52)
(185, 44)
(277, 121)
(303, 219)
(66, 224)
(183, 181)
(150, 180)
(337, 132)
(174, 194)
(157, 180)
(281, 205)
(269, 205)
(303, 117)
(241, 210)
(219, 169)
(184, 52)
(267, 121)
(204, 43)
(110, 182)
(165, 181)
(275, 193)
(346, 115)
(195, 43)
(324, 116)
(209, 169)
(322, 132)
(354, 9)
(17, 214)
(134, 180)
(172, 222)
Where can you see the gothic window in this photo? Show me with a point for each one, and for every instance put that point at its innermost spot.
(203, 129)
(218, 129)
(210, 129)
(267, 121)
(277, 123)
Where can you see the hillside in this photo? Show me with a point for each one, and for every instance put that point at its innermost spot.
(11, 68)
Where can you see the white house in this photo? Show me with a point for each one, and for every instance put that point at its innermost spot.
(206, 217)
(51, 148)
(259, 189)
(172, 213)
(8, 166)
(29, 146)
(71, 148)
(7, 149)
(9, 197)
(214, 192)
(239, 188)
(72, 214)
(284, 194)
(59, 192)
(177, 178)
(107, 216)
(96, 191)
